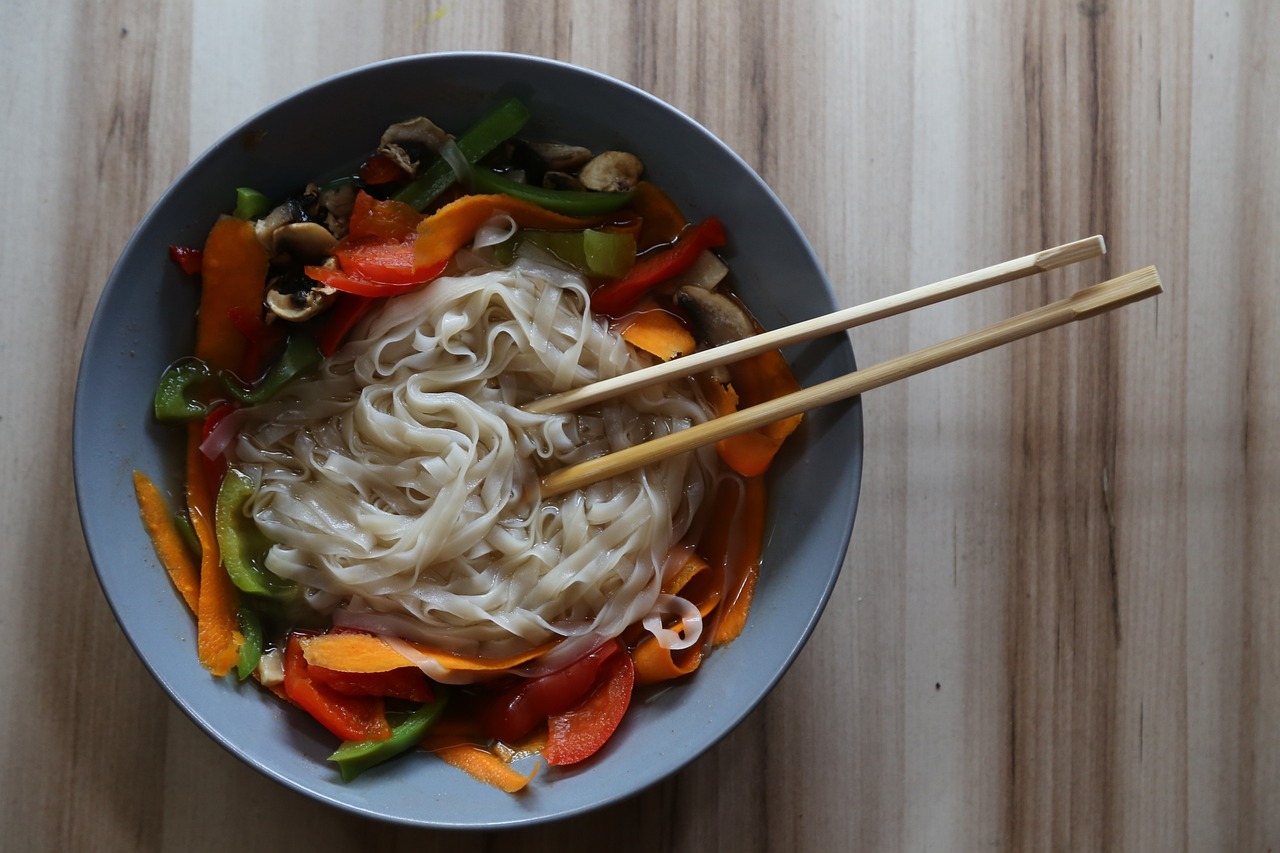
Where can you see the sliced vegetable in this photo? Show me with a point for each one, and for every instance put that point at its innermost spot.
(659, 333)
(218, 634)
(742, 562)
(356, 652)
(234, 275)
(358, 718)
(578, 734)
(568, 202)
(618, 297)
(189, 260)
(337, 324)
(660, 219)
(175, 397)
(496, 127)
(513, 714)
(242, 545)
(181, 385)
(380, 169)
(360, 286)
(262, 341)
(356, 756)
(384, 262)
(250, 204)
(381, 220)
(757, 380)
(453, 226)
(606, 254)
(407, 682)
(251, 648)
(300, 356)
(483, 766)
(171, 549)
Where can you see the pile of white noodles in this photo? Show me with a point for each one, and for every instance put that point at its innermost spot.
(400, 482)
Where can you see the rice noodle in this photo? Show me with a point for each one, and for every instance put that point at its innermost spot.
(401, 480)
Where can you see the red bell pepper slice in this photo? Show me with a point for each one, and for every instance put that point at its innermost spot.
(385, 262)
(381, 220)
(405, 683)
(360, 286)
(577, 734)
(348, 717)
(617, 297)
(347, 308)
(262, 340)
(512, 715)
(189, 260)
(381, 169)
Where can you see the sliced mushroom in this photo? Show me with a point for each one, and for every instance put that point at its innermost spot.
(295, 297)
(265, 228)
(717, 318)
(612, 171)
(558, 157)
(405, 142)
(302, 243)
(561, 181)
(334, 204)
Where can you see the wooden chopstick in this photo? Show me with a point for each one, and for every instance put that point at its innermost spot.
(839, 321)
(1088, 302)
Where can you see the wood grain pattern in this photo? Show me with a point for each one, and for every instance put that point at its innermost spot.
(1059, 622)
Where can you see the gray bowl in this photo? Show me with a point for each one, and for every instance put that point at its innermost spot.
(144, 321)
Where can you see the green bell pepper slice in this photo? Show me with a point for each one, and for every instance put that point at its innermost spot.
(241, 544)
(177, 394)
(584, 203)
(600, 254)
(250, 204)
(356, 756)
(496, 127)
(251, 647)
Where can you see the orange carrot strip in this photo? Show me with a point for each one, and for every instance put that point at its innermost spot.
(654, 663)
(484, 766)
(750, 527)
(453, 226)
(698, 582)
(171, 550)
(233, 276)
(660, 220)
(352, 652)
(659, 333)
(218, 636)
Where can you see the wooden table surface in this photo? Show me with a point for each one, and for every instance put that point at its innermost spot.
(1059, 622)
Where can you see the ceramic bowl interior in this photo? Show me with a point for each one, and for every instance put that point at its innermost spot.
(144, 321)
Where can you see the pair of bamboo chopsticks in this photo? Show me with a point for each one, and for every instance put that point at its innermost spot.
(1087, 302)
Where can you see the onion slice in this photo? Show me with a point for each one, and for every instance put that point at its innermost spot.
(452, 154)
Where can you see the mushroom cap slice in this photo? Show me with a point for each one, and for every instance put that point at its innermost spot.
(302, 242)
(612, 171)
(718, 318)
(289, 297)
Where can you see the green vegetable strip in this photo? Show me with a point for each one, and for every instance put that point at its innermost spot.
(250, 204)
(583, 203)
(499, 125)
(595, 253)
(355, 757)
(182, 382)
(251, 648)
(241, 544)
